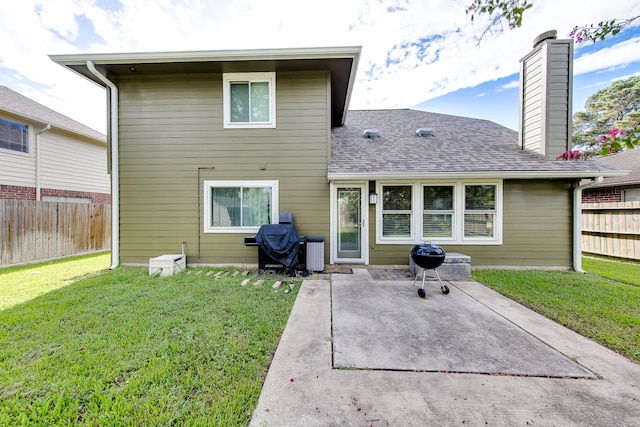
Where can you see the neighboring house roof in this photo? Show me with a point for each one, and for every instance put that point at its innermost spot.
(626, 160)
(341, 62)
(461, 146)
(19, 105)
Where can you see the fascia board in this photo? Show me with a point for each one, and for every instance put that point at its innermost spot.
(29, 118)
(209, 56)
(475, 175)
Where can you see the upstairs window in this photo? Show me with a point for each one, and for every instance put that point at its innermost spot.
(249, 100)
(14, 136)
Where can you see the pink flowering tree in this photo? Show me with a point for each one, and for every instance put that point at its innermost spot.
(613, 142)
(513, 10)
(599, 31)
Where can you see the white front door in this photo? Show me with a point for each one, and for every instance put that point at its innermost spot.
(349, 223)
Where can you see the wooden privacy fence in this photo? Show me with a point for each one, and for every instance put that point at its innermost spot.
(611, 229)
(32, 231)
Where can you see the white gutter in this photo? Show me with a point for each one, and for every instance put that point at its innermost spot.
(577, 222)
(471, 175)
(43, 130)
(115, 189)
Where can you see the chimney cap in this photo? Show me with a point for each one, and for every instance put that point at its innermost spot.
(547, 35)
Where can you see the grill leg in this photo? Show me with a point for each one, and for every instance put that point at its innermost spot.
(415, 279)
(441, 284)
(443, 287)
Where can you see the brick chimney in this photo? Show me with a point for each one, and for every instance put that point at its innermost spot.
(546, 94)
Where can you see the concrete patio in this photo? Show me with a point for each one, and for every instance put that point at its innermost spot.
(359, 351)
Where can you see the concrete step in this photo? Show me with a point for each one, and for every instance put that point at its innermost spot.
(455, 266)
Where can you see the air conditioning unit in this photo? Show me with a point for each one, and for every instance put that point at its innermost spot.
(168, 264)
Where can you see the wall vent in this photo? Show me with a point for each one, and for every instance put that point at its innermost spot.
(425, 132)
(372, 133)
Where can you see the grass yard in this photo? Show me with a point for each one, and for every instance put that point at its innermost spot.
(621, 271)
(123, 348)
(22, 283)
(605, 310)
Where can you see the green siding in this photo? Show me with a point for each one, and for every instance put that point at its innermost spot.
(537, 230)
(172, 139)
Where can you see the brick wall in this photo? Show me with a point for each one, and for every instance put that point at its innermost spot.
(602, 195)
(14, 192)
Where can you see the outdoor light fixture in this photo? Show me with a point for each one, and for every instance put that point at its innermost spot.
(373, 198)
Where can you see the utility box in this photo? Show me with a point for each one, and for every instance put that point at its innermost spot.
(315, 253)
(168, 264)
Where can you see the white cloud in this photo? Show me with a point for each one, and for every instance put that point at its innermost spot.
(514, 84)
(626, 77)
(412, 50)
(615, 56)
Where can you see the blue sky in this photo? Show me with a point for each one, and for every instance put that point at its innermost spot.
(498, 100)
(415, 53)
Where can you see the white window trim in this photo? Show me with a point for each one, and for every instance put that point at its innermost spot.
(30, 141)
(228, 78)
(238, 183)
(497, 235)
(454, 215)
(458, 214)
(379, 212)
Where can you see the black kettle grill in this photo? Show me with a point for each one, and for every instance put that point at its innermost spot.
(428, 257)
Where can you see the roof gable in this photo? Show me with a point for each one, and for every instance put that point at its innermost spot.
(19, 105)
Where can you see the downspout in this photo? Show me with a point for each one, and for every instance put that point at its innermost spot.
(115, 189)
(577, 222)
(43, 130)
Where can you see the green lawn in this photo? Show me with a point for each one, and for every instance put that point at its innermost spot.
(22, 283)
(621, 271)
(122, 348)
(605, 310)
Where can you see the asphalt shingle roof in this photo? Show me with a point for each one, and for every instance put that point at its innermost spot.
(461, 145)
(627, 160)
(14, 103)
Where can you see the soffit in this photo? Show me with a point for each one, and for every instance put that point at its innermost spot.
(340, 62)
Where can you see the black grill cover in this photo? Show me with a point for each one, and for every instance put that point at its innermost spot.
(280, 242)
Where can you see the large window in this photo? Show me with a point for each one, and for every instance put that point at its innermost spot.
(14, 136)
(441, 212)
(239, 206)
(396, 211)
(479, 211)
(437, 214)
(249, 100)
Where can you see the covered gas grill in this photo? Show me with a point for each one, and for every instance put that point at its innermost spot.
(279, 246)
(428, 257)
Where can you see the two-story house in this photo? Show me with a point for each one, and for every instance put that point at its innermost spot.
(47, 156)
(208, 146)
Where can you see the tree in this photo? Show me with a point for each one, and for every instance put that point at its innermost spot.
(512, 11)
(611, 120)
(600, 31)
